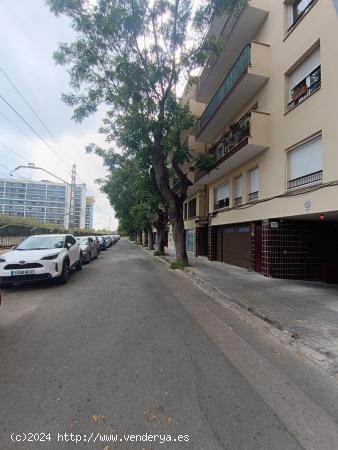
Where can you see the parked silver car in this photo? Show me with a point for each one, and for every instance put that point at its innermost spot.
(108, 240)
(88, 248)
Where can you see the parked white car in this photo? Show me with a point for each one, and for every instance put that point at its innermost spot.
(41, 257)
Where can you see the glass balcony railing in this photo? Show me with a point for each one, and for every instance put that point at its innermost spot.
(235, 73)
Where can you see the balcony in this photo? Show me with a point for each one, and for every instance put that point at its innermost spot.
(235, 29)
(245, 78)
(243, 141)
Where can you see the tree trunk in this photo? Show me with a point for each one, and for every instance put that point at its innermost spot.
(150, 239)
(160, 240)
(177, 222)
(161, 223)
(145, 240)
(139, 237)
(175, 202)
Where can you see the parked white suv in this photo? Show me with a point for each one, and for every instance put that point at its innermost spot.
(41, 257)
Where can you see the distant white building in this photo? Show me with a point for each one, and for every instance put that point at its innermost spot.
(45, 201)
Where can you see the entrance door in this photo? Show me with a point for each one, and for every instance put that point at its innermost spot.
(189, 241)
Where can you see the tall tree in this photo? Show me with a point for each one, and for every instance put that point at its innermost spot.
(133, 193)
(130, 55)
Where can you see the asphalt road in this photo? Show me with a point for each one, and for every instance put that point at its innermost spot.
(128, 347)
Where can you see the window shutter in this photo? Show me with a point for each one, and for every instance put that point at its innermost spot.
(306, 159)
(254, 180)
(222, 192)
(239, 187)
(302, 71)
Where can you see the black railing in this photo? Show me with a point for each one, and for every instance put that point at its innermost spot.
(222, 203)
(306, 179)
(302, 91)
(230, 139)
(253, 196)
(236, 134)
(238, 201)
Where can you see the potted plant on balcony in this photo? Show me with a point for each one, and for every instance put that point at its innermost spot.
(205, 164)
(299, 91)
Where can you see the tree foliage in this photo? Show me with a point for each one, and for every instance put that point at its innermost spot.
(131, 55)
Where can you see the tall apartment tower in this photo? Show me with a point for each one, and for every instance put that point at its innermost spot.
(89, 212)
(269, 122)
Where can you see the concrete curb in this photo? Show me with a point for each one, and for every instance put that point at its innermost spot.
(286, 335)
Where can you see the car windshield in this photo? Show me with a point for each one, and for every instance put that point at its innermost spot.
(82, 240)
(41, 243)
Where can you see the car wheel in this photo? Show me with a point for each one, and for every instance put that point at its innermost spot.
(79, 263)
(89, 258)
(63, 279)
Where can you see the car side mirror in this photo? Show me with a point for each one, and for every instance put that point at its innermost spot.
(68, 245)
(14, 247)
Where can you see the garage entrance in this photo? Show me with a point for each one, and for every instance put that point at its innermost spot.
(236, 245)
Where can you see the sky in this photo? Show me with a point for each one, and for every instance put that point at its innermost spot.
(29, 34)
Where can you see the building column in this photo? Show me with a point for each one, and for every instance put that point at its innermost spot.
(212, 243)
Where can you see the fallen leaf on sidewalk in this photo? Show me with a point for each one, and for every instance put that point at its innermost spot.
(97, 418)
(300, 321)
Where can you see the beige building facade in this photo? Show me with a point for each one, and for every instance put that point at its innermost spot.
(267, 116)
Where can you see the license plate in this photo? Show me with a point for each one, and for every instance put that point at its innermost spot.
(22, 272)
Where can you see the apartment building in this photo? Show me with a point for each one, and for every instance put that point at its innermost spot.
(80, 206)
(269, 123)
(45, 201)
(89, 212)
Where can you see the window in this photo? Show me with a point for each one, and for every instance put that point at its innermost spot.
(305, 80)
(305, 163)
(254, 184)
(221, 195)
(192, 208)
(238, 190)
(297, 9)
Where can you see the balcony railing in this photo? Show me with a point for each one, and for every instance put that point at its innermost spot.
(238, 201)
(235, 73)
(237, 133)
(222, 203)
(302, 91)
(307, 179)
(236, 8)
(253, 196)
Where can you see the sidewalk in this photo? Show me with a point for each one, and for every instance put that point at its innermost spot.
(307, 311)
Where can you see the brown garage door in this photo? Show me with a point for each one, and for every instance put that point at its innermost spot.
(237, 245)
